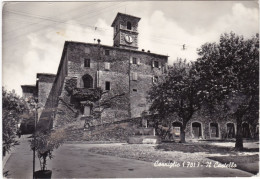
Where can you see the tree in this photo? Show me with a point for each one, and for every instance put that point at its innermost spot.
(177, 93)
(229, 74)
(13, 107)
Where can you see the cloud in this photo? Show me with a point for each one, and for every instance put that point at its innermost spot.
(241, 20)
(163, 35)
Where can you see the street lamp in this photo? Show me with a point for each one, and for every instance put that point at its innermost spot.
(35, 104)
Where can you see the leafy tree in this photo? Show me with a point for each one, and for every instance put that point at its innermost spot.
(177, 93)
(229, 74)
(13, 107)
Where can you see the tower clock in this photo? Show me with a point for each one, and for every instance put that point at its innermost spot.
(125, 31)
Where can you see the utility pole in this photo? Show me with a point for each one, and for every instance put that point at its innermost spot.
(34, 138)
(98, 77)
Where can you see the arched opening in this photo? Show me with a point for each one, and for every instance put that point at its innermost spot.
(230, 130)
(176, 129)
(214, 130)
(87, 81)
(129, 26)
(245, 130)
(196, 130)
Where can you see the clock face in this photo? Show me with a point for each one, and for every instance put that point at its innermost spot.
(128, 39)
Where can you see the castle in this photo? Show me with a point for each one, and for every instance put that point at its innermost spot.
(118, 69)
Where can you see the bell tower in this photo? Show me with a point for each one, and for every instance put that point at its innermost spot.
(125, 31)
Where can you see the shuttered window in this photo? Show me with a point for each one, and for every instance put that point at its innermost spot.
(134, 76)
(138, 61)
(156, 64)
(107, 66)
(134, 60)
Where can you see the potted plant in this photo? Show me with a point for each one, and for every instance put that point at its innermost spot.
(44, 143)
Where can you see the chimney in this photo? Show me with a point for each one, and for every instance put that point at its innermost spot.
(148, 51)
(142, 50)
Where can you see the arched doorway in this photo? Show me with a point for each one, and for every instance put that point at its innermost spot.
(87, 81)
(245, 130)
(230, 130)
(176, 129)
(214, 130)
(196, 130)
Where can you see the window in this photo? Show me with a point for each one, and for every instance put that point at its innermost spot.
(134, 77)
(129, 26)
(107, 52)
(135, 90)
(86, 62)
(87, 81)
(156, 64)
(107, 66)
(107, 85)
(134, 61)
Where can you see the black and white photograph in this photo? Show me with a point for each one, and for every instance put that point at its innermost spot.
(130, 89)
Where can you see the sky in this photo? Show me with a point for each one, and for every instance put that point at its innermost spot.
(34, 32)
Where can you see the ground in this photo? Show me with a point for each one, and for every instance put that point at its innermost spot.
(117, 160)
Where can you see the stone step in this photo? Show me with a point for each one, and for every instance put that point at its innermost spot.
(144, 139)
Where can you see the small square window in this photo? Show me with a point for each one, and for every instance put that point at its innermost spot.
(135, 90)
(134, 60)
(107, 52)
(107, 85)
(86, 62)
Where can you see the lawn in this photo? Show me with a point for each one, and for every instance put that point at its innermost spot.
(199, 147)
(148, 153)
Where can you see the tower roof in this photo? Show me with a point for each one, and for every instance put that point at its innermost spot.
(119, 14)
